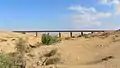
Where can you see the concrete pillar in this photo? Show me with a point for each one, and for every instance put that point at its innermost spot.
(36, 34)
(48, 33)
(82, 34)
(59, 35)
(70, 34)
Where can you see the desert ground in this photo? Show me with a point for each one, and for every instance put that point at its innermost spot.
(97, 50)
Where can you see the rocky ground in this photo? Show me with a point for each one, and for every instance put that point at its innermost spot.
(98, 50)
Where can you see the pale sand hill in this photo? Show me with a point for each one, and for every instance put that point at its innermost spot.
(78, 53)
(86, 53)
(8, 40)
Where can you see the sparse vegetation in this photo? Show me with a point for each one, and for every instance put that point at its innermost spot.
(5, 60)
(67, 38)
(87, 35)
(48, 40)
(15, 59)
(9, 61)
(22, 48)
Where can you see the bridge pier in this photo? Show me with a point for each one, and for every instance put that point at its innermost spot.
(71, 34)
(82, 33)
(36, 34)
(59, 35)
(48, 33)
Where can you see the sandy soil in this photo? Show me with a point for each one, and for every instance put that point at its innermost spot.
(100, 51)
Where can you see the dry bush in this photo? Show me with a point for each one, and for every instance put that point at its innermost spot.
(22, 46)
(22, 49)
(5, 61)
(10, 61)
(87, 35)
(15, 59)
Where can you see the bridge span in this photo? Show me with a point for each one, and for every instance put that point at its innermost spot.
(59, 31)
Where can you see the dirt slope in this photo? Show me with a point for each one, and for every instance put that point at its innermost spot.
(100, 51)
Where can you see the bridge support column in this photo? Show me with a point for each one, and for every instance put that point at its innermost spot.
(48, 33)
(82, 34)
(59, 35)
(36, 34)
(71, 34)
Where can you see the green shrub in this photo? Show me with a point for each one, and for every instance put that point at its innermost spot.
(48, 40)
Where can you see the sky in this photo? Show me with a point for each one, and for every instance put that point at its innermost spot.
(59, 14)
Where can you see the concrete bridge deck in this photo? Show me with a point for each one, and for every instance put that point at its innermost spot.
(59, 31)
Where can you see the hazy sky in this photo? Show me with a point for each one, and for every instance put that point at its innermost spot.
(59, 14)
